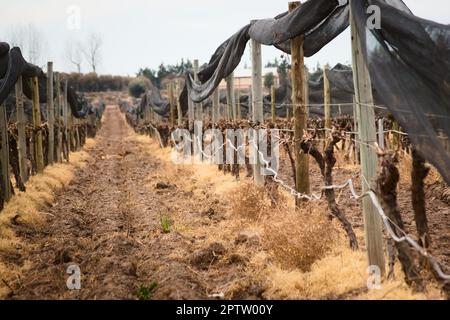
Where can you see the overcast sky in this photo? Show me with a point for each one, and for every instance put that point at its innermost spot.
(144, 33)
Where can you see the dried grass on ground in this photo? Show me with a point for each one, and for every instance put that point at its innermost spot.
(25, 211)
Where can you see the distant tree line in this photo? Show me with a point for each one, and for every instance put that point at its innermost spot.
(156, 76)
(91, 82)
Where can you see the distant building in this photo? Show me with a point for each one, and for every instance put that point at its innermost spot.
(243, 78)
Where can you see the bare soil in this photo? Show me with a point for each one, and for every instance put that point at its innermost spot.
(108, 222)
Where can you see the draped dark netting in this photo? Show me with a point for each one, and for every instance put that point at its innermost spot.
(13, 65)
(154, 99)
(408, 59)
(321, 21)
(409, 63)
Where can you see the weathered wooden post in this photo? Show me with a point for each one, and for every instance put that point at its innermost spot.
(395, 135)
(306, 94)
(216, 106)
(327, 100)
(231, 98)
(272, 100)
(21, 123)
(198, 106)
(72, 143)
(172, 104)
(381, 133)
(51, 114)
(367, 136)
(66, 123)
(257, 103)
(58, 118)
(190, 113)
(356, 130)
(6, 184)
(37, 125)
(238, 104)
(177, 98)
(77, 133)
(300, 112)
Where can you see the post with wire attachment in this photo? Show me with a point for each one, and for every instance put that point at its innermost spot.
(300, 111)
(231, 98)
(216, 105)
(38, 149)
(238, 103)
(59, 126)
(367, 137)
(257, 104)
(51, 114)
(22, 138)
(177, 98)
(197, 106)
(65, 107)
(272, 96)
(4, 155)
(327, 100)
(381, 133)
(171, 94)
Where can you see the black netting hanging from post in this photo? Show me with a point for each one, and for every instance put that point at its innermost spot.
(409, 63)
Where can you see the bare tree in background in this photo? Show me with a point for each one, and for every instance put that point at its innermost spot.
(91, 50)
(30, 40)
(73, 53)
(35, 44)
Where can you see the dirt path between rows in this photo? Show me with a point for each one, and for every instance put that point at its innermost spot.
(108, 222)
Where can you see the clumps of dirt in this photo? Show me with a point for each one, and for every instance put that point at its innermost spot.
(204, 258)
(210, 213)
(62, 256)
(252, 202)
(296, 239)
(249, 291)
(247, 237)
(164, 185)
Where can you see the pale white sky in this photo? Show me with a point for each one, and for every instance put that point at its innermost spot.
(144, 33)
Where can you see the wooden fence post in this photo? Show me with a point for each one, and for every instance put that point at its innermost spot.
(198, 106)
(216, 106)
(6, 183)
(272, 96)
(300, 112)
(367, 136)
(238, 104)
(37, 125)
(58, 118)
(381, 133)
(22, 137)
(50, 114)
(231, 98)
(177, 97)
(396, 136)
(356, 130)
(66, 123)
(306, 94)
(172, 104)
(257, 103)
(77, 133)
(327, 100)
